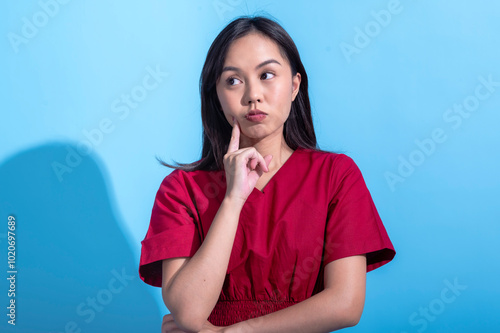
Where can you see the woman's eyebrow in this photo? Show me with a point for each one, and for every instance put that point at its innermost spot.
(236, 69)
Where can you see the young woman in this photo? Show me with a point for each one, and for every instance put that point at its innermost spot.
(266, 232)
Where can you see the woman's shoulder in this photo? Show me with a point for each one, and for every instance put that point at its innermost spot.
(181, 176)
(334, 159)
(195, 179)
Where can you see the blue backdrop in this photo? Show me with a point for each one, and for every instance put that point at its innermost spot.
(93, 91)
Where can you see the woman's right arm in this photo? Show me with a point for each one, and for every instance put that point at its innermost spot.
(192, 286)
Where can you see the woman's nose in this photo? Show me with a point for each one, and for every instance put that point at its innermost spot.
(253, 93)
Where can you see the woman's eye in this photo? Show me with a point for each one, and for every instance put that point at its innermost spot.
(268, 73)
(231, 81)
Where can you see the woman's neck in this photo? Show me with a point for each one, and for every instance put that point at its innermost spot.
(273, 144)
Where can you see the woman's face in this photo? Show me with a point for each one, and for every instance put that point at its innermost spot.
(256, 76)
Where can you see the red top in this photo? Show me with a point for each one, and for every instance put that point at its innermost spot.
(315, 209)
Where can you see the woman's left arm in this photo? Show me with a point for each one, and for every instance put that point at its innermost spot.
(339, 305)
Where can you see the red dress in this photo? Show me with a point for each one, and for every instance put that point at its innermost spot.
(315, 209)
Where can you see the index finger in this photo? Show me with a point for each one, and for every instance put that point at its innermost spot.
(234, 143)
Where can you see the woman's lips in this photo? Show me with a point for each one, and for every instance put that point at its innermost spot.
(256, 117)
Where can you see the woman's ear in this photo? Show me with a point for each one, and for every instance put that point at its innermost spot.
(295, 85)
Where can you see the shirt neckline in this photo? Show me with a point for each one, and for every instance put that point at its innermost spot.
(260, 193)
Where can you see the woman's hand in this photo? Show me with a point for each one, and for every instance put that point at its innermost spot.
(243, 167)
(169, 326)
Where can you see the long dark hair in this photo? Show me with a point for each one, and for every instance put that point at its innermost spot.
(298, 129)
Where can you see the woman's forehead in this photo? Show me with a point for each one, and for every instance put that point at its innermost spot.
(248, 52)
(253, 48)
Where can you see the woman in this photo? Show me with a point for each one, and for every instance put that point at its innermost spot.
(265, 233)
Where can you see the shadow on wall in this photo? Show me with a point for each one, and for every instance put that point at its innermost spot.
(75, 269)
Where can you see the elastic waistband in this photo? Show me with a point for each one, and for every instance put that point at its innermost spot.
(227, 313)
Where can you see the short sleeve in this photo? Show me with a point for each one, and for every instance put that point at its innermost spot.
(353, 225)
(172, 231)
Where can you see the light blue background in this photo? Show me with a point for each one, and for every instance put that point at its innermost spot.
(68, 76)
